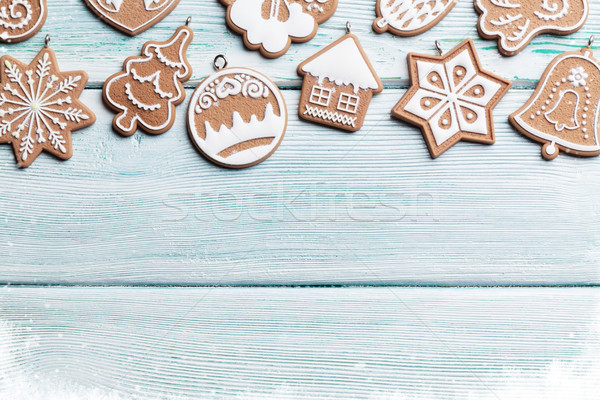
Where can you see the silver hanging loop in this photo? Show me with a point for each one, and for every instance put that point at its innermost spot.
(438, 47)
(348, 27)
(188, 21)
(220, 62)
(47, 41)
(591, 41)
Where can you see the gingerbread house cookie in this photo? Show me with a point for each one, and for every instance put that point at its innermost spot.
(339, 82)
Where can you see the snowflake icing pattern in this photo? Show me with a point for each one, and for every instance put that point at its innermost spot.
(39, 107)
(453, 97)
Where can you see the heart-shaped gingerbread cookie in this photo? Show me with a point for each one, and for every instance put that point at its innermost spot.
(132, 16)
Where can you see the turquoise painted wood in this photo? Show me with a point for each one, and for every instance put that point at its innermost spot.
(329, 208)
(308, 343)
(83, 41)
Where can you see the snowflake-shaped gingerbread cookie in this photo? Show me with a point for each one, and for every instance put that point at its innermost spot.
(39, 107)
(451, 98)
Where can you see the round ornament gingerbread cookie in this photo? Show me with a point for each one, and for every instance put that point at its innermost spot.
(237, 117)
(21, 19)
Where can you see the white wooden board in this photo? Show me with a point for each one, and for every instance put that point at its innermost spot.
(357, 343)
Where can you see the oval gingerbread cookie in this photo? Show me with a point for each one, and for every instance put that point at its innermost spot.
(272, 25)
(410, 17)
(237, 117)
(132, 16)
(21, 19)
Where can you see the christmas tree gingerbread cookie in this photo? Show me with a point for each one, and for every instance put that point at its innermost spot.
(410, 17)
(145, 93)
(40, 107)
(563, 112)
(272, 25)
(516, 22)
(451, 98)
(237, 117)
(339, 82)
(132, 16)
(21, 19)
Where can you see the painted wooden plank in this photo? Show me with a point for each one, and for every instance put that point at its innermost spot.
(354, 343)
(328, 208)
(82, 41)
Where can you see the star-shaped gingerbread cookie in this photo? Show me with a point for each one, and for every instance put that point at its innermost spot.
(451, 98)
(39, 107)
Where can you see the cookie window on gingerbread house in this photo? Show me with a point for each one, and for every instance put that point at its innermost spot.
(348, 103)
(320, 96)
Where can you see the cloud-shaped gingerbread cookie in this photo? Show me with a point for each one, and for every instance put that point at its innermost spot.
(272, 25)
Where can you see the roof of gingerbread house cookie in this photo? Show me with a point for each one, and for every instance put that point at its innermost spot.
(344, 63)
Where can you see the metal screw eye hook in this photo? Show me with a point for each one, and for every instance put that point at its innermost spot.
(188, 21)
(348, 27)
(216, 62)
(47, 41)
(591, 41)
(438, 47)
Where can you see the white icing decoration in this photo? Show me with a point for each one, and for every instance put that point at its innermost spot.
(327, 115)
(315, 5)
(271, 33)
(411, 15)
(219, 139)
(138, 103)
(552, 136)
(343, 64)
(245, 84)
(560, 125)
(12, 18)
(550, 149)
(521, 33)
(33, 111)
(111, 8)
(453, 98)
(578, 77)
(131, 71)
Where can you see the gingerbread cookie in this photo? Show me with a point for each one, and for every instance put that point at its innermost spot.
(516, 22)
(237, 117)
(21, 19)
(40, 107)
(145, 94)
(132, 16)
(272, 25)
(451, 98)
(410, 17)
(339, 82)
(562, 113)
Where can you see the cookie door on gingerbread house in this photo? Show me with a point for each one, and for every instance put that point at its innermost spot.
(339, 83)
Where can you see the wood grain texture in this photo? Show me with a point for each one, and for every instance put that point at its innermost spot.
(82, 41)
(327, 208)
(355, 343)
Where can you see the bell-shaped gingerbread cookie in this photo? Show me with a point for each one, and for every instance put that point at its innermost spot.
(562, 114)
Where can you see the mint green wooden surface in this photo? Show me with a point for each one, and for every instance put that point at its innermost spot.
(328, 209)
